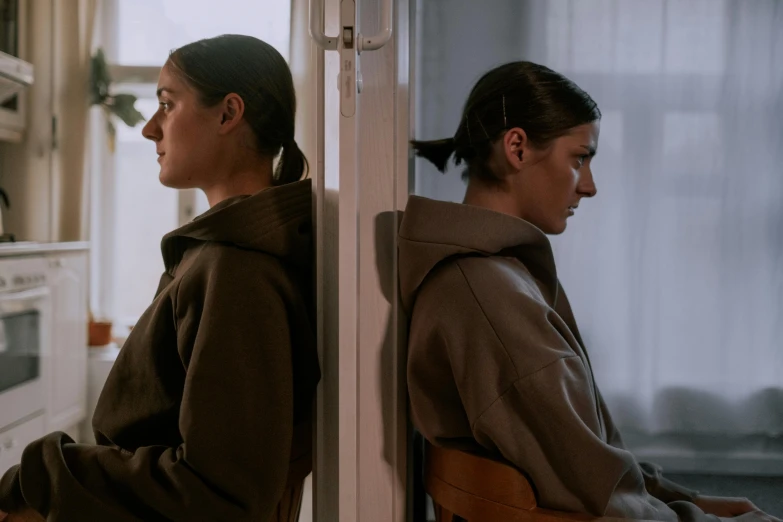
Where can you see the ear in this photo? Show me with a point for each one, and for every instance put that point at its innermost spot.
(232, 108)
(516, 145)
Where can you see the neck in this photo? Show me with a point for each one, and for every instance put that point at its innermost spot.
(491, 197)
(245, 182)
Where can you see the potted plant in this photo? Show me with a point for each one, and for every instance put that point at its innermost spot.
(99, 332)
(122, 106)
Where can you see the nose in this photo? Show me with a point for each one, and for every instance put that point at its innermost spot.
(586, 186)
(152, 130)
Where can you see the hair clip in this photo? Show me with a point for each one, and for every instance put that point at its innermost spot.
(482, 127)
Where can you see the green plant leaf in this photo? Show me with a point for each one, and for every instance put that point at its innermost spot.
(122, 105)
(99, 78)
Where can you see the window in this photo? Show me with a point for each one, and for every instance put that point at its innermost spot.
(131, 210)
(149, 29)
(138, 228)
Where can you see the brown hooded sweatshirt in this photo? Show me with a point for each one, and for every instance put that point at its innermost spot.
(496, 363)
(196, 418)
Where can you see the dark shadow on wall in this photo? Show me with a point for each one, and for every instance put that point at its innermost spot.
(386, 227)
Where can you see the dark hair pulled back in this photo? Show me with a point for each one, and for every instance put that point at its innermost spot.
(254, 70)
(545, 104)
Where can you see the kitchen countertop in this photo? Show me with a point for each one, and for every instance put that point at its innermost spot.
(27, 248)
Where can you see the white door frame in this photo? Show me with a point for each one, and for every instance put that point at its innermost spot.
(361, 181)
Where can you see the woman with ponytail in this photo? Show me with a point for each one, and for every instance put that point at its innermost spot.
(206, 413)
(495, 361)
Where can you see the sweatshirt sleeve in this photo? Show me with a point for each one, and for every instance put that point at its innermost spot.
(655, 483)
(235, 421)
(537, 426)
(662, 488)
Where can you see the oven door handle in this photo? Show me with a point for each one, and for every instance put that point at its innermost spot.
(15, 302)
(25, 295)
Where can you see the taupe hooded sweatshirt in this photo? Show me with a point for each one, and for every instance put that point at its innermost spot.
(496, 363)
(196, 419)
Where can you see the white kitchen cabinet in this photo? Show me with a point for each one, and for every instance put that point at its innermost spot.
(26, 167)
(67, 280)
(14, 440)
(13, 42)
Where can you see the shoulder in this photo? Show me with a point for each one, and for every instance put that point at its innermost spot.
(498, 276)
(214, 255)
(445, 288)
(489, 298)
(224, 269)
(485, 280)
(460, 291)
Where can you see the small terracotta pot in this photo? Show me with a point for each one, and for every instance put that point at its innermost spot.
(99, 333)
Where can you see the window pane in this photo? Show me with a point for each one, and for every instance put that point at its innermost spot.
(692, 143)
(145, 211)
(149, 29)
(696, 39)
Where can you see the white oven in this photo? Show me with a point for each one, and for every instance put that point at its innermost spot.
(24, 339)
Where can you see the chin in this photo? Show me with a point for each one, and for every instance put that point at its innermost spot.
(554, 229)
(170, 180)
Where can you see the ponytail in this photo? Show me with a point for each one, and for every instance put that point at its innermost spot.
(544, 103)
(437, 152)
(292, 165)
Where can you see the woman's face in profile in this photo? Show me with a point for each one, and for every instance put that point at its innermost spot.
(184, 132)
(554, 180)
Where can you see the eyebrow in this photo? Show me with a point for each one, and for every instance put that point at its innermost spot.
(161, 90)
(590, 150)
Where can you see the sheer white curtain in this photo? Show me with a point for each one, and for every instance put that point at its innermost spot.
(73, 32)
(675, 270)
